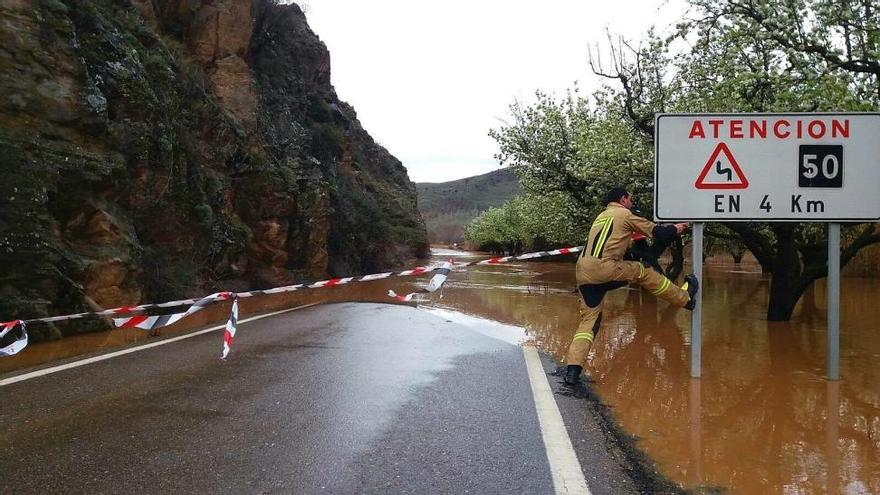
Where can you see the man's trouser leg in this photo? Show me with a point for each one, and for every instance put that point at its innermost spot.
(658, 284)
(613, 274)
(590, 307)
(591, 318)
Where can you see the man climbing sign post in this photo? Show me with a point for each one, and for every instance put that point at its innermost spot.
(600, 268)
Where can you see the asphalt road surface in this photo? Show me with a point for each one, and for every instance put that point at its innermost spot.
(340, 398)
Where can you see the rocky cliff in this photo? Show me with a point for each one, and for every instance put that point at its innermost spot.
(154, 149)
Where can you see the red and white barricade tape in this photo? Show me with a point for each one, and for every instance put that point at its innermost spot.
(229, 331)
(156, 322)
(435, 283)
(523, 257)
(126, 316)
(19, 343)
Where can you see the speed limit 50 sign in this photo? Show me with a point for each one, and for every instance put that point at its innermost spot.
(799, 167)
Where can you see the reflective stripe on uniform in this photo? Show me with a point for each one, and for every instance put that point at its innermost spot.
(641, 270)
(585, 335)
(602, 237)
(662, 288)
(600, 221)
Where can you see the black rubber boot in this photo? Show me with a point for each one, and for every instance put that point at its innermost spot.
(693, 287)
(573, 374)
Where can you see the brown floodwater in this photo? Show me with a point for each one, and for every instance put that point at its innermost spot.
(763, 419)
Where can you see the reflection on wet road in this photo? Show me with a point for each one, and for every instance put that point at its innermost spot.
(344, 398)
(762, 418)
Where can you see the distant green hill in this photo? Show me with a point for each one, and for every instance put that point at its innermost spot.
(447, 207)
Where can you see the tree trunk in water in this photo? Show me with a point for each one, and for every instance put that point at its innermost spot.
(781, 300)
(737, 257)
(809, 297)
(785, 286)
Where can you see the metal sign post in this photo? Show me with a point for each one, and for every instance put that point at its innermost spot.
(768, 167)
(833, 301)
(697, 315)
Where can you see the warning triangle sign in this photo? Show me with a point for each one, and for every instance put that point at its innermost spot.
(722, 171)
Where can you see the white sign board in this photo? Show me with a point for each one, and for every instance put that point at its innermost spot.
(798, 167)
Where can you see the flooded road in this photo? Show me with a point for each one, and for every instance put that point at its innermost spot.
(761, 420)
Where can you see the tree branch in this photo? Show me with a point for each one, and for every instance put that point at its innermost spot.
(758, 244)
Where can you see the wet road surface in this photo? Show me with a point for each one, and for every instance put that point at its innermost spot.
(339, 398)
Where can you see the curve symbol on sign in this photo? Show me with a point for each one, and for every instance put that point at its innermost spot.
(727, 175)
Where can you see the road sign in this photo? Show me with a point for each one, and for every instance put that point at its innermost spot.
(798, 167)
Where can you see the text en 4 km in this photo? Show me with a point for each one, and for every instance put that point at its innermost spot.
(798, 204)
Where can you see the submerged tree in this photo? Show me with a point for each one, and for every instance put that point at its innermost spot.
(747, 56)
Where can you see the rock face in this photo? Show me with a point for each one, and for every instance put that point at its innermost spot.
(155, 149)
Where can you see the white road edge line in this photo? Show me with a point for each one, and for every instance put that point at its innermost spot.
(102, 357)
(568, 478)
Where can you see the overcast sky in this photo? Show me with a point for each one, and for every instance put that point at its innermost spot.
(429, 79)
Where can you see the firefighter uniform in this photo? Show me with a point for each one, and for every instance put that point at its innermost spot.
(600, 268)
